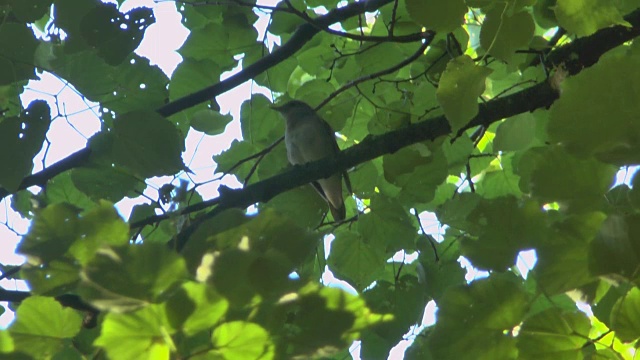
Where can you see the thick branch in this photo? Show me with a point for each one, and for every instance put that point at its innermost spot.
(301, 36)
(588, 51)
(535, 97)
(538, 96)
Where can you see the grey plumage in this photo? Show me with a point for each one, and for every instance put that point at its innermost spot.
(309, 138)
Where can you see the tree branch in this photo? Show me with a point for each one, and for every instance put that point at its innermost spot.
(68, 300)
(535, 97)
(579, 54)
(372, 38)
(300, 37)
(362, 79)
(538, 96)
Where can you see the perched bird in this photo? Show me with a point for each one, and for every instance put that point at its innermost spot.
(308, 138)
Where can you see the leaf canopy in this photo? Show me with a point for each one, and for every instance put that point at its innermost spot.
(473, 132)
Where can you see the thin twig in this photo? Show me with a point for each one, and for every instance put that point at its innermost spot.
(429, 237)
(389, 70)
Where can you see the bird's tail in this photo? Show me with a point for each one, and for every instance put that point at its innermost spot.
(338, 214)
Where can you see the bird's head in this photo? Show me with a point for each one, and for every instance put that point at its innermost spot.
(294, 109)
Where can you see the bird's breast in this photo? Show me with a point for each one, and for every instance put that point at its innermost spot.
(307, 142)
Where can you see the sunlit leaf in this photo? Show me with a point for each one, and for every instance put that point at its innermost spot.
(42, 326)
(460, 86)
(584, 17)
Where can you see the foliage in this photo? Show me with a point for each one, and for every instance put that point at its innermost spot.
(510, 133)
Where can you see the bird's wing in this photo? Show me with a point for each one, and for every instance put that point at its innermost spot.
(336, 149)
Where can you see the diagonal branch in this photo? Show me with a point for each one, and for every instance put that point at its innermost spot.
(538, 96)
(300, 37)
(588, 50)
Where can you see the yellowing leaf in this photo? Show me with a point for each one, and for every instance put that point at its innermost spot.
(584, 17)
(242, 340)
(460, 86)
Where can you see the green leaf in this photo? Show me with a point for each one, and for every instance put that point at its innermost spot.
(99, 227)
(416, 174)
(6, 342)
(584, 17)
(455, 211)
(515, 133)
(507, 228)
(577, 118)
(260, 124)
(61, 189)
(21, 138)
(193, 75)
(52, 232)
(499, 182)
(277, 77)
(603, 309)
(460, 86)
(364, 179)
(441, 276)
(553, 334)
(503, 33)
(313, 92)
(115, 35)
(30, 10)
(195, 307)
(54, 278)
(239, 340)
(89, 73)
(42, 326)
(327, 319)
(615, 251)
(284, 23)
(387, 226)
(255, 258)
(440, 15)
(126, 277)
(355, 260)
(404, 299)
(147, 144)
(217, 50)
(228, 161)
(143, 334)
(563, 258)
(140, 85)
(210, 122)
(472, 319)
(544, 14)
(18, 46)
(554, 175)
(110, 184)
(625, 316)
(381, 57)
(302, 205)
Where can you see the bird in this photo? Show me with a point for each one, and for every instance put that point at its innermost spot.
(309, 138)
